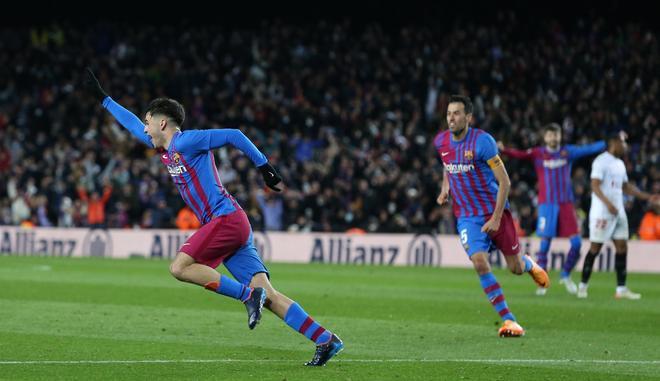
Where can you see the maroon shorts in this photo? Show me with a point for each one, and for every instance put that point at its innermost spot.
(218, 239)
(567, 225)
(476, 241)
(506, 238)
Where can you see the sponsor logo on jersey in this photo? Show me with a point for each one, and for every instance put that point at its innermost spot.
(554, 163)
(176, 170)
(459, 168)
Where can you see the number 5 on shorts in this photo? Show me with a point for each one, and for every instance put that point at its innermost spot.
(464, 237)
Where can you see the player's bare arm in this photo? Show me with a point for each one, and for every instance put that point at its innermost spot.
(631, 189)
(444, 192)
(595, 187)
(496, 165)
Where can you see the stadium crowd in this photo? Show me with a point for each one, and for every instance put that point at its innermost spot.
(346, 112)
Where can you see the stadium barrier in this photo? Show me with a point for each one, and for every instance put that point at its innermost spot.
(339, 248)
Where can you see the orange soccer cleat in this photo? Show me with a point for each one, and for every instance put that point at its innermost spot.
(511, 329)
(539, 275)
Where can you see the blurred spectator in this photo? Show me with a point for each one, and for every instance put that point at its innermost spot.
(186, 219)
(272, 207)
(346, 111)
(649, 229)
(95, 206)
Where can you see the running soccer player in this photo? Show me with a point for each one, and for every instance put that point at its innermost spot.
(226, 235)
(556, 213)
(477, 180)
(607, 216)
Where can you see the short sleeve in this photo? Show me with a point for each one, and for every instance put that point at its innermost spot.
(598, 170)
(486, 147)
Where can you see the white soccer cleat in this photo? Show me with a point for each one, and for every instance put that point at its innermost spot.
(571, 287)
(541, 291)
(627, 294)
(582, 291)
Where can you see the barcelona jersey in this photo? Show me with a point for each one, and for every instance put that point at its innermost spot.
(467, 163)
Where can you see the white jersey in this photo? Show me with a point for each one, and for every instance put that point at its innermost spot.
(611, 171)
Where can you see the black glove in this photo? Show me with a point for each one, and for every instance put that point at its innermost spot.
(94, 86)
(271, 178)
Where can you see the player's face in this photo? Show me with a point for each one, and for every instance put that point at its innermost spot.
(620, 146)
(552, 139)
(457, 119)
(153, 128)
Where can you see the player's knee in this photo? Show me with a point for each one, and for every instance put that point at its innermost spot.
(480, 265)
(177, 270)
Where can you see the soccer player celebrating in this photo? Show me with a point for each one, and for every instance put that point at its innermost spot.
(479, 184)
(556, 214)
(226, 235)
(607, 216)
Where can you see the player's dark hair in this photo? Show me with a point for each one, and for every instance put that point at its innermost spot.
(554, 127)
(168, 107)
(467, 103)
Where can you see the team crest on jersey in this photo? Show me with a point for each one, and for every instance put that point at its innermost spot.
(468, 155)
(176, 157)
(564, 153)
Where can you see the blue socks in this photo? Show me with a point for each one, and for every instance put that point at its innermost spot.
(495, 295)
(300, 321)
(229, 287)
(528, 263)
(542, 255)
(573, 256)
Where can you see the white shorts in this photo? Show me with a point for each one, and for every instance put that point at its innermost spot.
(603, 228)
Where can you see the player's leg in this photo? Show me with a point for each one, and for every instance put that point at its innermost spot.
(248, 268)
(568, 227)
(205, 250)
(476, 244)
(506, 239)
(587, 268)
(572, 258)
(601, 229)
(620, 238)
(327, 343)
(546, 229)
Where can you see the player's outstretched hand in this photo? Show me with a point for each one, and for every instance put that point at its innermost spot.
(271, 178)
(94, 86)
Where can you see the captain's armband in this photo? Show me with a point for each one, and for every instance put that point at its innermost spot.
(494, 162)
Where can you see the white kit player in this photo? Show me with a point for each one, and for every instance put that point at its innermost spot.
(607, 216)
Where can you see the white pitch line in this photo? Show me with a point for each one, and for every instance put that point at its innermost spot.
(204, 361)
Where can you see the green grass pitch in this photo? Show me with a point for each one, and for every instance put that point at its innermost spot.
(92, 319)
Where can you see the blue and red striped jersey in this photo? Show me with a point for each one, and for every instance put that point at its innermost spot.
(472, 184)
(553, 168)
(190, 162)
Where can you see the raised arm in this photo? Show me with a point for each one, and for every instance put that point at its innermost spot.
(126, 118)
(527, 154)
(576, 152)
